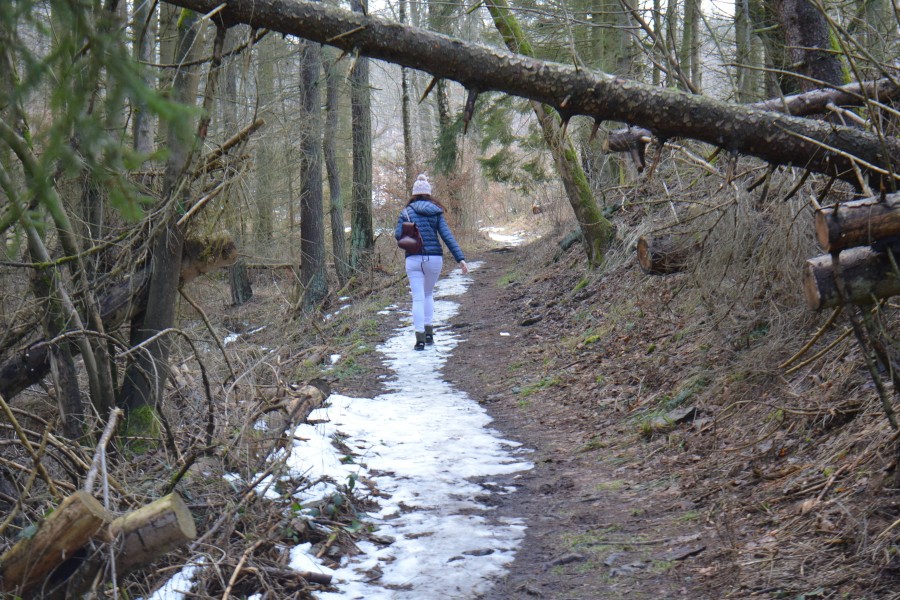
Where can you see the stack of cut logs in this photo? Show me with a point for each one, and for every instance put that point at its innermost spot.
(865, 232)
(55, 561)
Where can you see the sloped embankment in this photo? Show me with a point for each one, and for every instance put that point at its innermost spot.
(673, 456)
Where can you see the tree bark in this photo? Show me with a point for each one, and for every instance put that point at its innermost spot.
(869, 275)
(268, 169)
(146, 377)
(137, 538)
(858, 223)
(362, 235)
(144, 27)
(409, 161)
(776, 138)
(313, 278)
(333, 79)
(807, 43)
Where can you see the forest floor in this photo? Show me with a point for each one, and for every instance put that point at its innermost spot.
(669, 461)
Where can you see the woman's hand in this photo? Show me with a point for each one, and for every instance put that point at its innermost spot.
(464, 267)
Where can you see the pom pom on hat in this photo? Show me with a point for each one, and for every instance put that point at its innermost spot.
(421, 187)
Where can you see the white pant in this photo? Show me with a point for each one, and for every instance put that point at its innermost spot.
(423, 273)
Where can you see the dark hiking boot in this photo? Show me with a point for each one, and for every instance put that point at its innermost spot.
(429, 334)
(420, 341)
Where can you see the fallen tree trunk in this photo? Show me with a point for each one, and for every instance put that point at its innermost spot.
(858, 223)
(661, 255)
(138, 538)
(819, 101)
(772, 136)
(868, 276)
(123, 302)
(62, 534)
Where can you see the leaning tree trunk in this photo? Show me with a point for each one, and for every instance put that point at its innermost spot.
(596, 229)
(362, 236)
(333, 79)
(313, 278)
(773, 137)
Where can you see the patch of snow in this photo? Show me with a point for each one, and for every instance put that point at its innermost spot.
(500, 234)
(425, 446)
(180, 584)
(334, 358)
(230, 338)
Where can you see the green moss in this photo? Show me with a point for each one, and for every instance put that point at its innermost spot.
(142, 425)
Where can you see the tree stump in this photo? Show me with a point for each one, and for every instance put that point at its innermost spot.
(665, 254)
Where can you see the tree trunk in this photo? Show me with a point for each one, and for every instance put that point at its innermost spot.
(62, 364)
(333, 78)
(238, 277)
(869, 275)
(409, 156)
(146, 377)
(858, 223)
(596, 229)
(137, 538)
(362, 236)
(267, 163)
(144, 27)
(745, 81)
(313, 278)
(807, 43)
(776, 138)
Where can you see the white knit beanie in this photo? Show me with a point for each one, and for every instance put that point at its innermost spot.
(421, 187)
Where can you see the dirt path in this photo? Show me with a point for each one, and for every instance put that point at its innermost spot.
(603, 520)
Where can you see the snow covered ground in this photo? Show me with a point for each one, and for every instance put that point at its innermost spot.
(429, 451)
(426, 452)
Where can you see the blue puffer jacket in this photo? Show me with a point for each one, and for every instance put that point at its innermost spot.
(429, 218)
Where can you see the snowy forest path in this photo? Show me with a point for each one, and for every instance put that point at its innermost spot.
(600, 524)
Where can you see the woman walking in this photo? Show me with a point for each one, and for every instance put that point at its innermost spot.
(423, 268)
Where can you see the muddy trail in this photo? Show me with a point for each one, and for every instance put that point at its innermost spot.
(599, 523)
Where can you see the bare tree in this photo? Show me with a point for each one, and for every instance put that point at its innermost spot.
(313, 278)
(362, 235)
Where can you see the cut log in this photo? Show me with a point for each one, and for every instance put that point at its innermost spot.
(858, 223)
(142, 536)
(666, 254)
(122, 302)
(868, 275)
(139, 538)
(62, 534)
